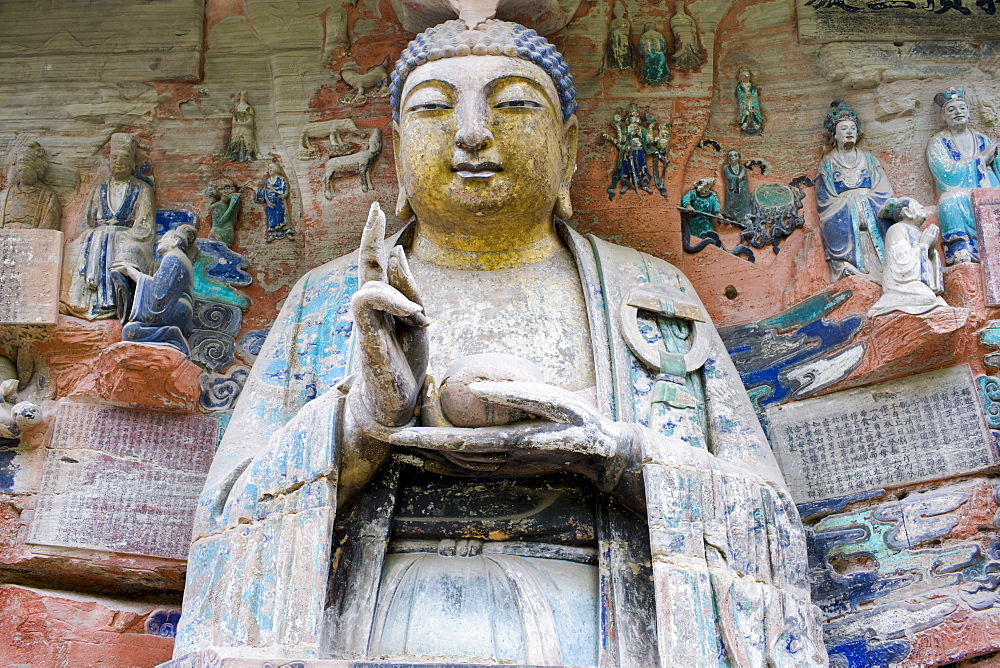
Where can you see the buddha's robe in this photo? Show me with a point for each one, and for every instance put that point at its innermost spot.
(728, 551)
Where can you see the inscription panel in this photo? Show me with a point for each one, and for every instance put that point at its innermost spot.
(924, 427)
(122, 480)
(986, 205)
(896, 20)
(30, 263)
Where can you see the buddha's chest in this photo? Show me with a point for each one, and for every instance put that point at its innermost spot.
(536, 312)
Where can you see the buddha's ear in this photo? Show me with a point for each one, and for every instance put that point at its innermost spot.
(403, 210)
(571, 132)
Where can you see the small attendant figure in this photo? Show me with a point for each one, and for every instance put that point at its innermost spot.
(748, 105)
(687, 52)
(737, 187)
(653, 50)
(911, 277)
(704, 200)
(225, 209)
(243, 134)
(26, 202)
(163, 308)
(273, 194)
(619, 48)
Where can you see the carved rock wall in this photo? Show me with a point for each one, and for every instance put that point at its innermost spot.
(170, 72)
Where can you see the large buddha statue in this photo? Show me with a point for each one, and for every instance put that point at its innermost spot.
(489, 439)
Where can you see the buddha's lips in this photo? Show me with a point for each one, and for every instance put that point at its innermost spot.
(477, 170)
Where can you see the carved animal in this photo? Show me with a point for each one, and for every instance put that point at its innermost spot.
(359, 163)
(365, 84)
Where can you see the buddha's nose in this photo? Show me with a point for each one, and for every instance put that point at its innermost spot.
(472, 133)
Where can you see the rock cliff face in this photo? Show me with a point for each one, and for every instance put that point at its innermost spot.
(905, 570)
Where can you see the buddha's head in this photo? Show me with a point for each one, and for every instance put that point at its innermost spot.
(484, 126)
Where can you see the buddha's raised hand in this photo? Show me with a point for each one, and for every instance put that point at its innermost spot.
(391, 328)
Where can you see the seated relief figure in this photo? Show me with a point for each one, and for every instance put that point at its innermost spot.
(850, 191)
(27, 203)
(119, 230)
(442, 428)
(960, 158)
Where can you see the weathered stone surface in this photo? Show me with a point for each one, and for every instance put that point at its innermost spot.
(51, 628)
(29, 276)
(986, 205)
(122, 481)
(861, 21)
(924, 427)
(128, 40)
(143, 375)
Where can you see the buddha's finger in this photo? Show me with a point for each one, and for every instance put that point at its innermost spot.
(371, 255)
(400, 276)
(378, 296)
(546, 401)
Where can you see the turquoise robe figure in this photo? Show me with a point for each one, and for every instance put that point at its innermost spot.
(270, 502)
(701, 225)
(750, 119)
(955, 175)
(653, 50)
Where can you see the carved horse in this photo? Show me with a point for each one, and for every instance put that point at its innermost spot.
(359, 163)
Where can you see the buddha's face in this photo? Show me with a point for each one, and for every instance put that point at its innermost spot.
(481, 138)
(955, 113)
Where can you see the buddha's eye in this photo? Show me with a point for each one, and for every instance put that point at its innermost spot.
(430, 106)
(516, 104)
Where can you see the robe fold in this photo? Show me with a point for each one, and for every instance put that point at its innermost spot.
(728, 551)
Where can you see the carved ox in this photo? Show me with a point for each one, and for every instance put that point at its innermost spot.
(359, 163)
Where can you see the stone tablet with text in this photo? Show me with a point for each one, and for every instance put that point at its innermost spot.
(923, 427)
(123, 480)
(29, 276)
(823, 21)
(986, 205)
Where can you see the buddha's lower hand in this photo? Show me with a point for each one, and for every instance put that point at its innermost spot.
(391, 329)
(569, 428)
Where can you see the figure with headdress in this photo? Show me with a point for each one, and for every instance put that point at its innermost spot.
(419, 402)
(960, 158)
(748, 114)
(120, 227)
(27, 202)
(618, 51)
(737, 204)
(273, 194)
(633, 140)
(850, 191)
(242, 145)
(701, 200)
(225, 209)
(911, 277)
(653, 51)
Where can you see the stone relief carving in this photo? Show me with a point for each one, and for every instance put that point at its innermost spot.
(911, 277)
(273, 194)
(687, 47)
(960, 158)
(330, 437)
(653, 51)
(636, 138)
(737, 202)
(224, 211)
(242, 145)
(163, 303)
(748, 114)
(119, 230)
(359, 163)
(365, 85)
(618, 51)
(850, 191)
(27, 202)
